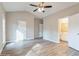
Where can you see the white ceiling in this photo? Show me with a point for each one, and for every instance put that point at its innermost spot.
(24, 6)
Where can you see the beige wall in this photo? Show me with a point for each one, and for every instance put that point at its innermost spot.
(2, 38)
(51, 22)
(11, 24)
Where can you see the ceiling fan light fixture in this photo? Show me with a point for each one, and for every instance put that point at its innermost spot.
(40, 9)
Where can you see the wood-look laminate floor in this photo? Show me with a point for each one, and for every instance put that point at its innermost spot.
(38, 48)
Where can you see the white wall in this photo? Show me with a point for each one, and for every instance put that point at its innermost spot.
(50, 29)
(73, 35)
(51, 22)
(2, 38)
(12, 18)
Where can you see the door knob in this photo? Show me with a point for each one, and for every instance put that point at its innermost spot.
(77, 33)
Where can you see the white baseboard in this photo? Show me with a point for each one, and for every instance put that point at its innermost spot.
(52, 41)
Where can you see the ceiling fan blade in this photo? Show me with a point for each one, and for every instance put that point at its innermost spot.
(35, 10)
(47, 6)
(33, 5)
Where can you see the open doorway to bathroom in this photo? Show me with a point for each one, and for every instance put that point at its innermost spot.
(63, 29)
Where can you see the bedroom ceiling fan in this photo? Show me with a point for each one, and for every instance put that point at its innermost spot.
(40, 7)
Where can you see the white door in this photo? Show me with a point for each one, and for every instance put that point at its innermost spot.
(21, 31)
(2, 32)
(40, 30)
(73, 34)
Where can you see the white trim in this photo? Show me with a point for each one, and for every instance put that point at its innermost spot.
(2, 46)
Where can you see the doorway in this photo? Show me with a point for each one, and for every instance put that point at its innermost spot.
(63, 29)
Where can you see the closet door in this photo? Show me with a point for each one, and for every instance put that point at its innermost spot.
(73, 37)
(40, 30)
